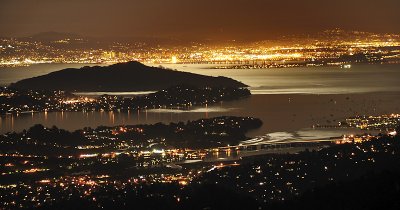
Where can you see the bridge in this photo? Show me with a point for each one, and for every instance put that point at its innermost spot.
(233, 153)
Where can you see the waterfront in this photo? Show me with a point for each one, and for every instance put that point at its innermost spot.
(192, 105)
(280, 113)
(286, 100)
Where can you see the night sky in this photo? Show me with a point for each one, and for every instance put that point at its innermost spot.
(196, 19)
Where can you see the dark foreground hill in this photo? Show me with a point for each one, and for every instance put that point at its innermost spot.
(131, 76)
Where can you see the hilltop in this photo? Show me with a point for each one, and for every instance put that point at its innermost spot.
(130, 76)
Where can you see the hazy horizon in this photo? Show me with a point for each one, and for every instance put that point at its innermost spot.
(195, 20)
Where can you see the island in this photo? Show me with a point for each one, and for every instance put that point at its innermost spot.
(130, 76)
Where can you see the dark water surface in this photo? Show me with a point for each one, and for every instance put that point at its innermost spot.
(289, 101)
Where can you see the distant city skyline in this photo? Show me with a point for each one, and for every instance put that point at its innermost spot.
(218, 20)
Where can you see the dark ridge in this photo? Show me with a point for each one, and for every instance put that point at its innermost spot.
(131, 76)
(53, 36)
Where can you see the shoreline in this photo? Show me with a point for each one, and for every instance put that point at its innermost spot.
(279, 112)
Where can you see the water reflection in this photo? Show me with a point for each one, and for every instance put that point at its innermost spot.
(223, 155)
(78, 120)
(302, 135)
(276, 111)
(7, 122)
